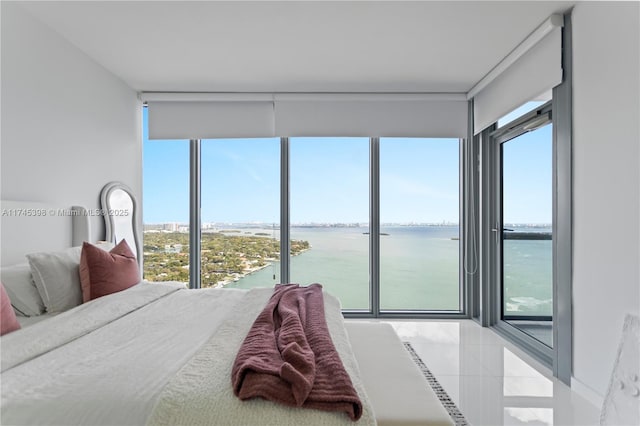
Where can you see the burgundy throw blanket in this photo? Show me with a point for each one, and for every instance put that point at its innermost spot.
(288, 356)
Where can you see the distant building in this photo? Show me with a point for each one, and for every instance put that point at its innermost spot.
(166, 227)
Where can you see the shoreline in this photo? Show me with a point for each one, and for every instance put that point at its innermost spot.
(251, 271)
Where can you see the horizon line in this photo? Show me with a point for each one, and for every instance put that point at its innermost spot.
(353, 224)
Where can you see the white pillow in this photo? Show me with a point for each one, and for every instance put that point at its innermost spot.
(57, 278)
(22, 291)
(105, 245)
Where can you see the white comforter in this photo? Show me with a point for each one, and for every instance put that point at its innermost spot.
(126, 359)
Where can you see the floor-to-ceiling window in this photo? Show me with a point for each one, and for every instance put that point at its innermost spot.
(526, 234)
(523, 284)
(240, 211)
(524, 223)
(420, 233)
(165, 209)
(329, 211)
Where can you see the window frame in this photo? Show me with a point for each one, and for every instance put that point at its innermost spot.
(374, 240)
(485, 308)
(497, 138)
(488, 306)
(463, 300)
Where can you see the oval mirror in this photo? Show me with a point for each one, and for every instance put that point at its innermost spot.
(120, 209)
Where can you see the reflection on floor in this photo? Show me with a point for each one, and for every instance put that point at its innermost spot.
(491, 381)
(540, 330)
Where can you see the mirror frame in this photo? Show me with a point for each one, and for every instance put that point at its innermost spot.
(108, 219)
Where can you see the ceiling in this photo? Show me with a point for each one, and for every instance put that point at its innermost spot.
(290, 46)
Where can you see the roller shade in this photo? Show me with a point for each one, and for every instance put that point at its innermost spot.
(211, 119)
(216, 115)
(371, 115)
(535, 72)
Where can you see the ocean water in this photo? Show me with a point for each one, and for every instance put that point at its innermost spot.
(528, 277)
(419, 269)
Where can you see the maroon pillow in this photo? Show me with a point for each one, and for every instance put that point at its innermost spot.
(8, 320)
(103, 273)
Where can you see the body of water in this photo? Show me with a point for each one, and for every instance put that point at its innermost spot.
(419, 268)
(528, 276)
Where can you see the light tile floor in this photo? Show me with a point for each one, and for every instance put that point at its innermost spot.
(491, 380)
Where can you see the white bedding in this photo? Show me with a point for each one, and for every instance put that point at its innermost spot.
(200, 394)
(112, 373)
(27, 321)
(23, 345)
(108, 361)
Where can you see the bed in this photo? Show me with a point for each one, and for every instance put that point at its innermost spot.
(156, 353)
(162, 354)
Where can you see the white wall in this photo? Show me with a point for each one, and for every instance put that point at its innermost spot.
(606, 115)
(68, 125)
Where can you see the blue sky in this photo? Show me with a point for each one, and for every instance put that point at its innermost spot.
(329, 180)
(527, 177)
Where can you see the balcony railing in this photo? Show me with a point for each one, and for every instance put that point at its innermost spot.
(512, 235)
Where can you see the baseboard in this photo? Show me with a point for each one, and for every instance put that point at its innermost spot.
(587, 393)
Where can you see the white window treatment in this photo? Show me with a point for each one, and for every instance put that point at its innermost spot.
(243, 115)
(533, 73)
(372, 115)
(208, 119)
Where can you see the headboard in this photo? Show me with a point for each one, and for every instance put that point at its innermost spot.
(30, 227)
